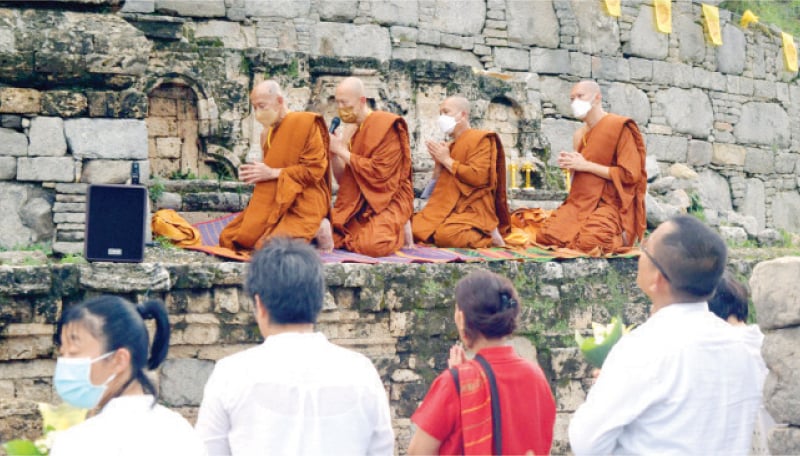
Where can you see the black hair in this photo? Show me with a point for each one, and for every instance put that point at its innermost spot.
(490, 304)
(287, 276)
(117, 323)
(694, 256)
(730, 298)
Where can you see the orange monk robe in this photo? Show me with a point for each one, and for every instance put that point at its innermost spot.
(467, 204)
(601, 215)
(376, 197)
(295, 203)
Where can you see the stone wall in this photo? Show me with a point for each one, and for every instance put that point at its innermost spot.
(778, 310)
(79, 87)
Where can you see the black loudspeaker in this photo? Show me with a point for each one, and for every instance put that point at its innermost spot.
(116, 217)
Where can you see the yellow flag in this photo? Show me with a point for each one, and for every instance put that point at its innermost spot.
(789, 52)
(663, 10)
(711, 16)
(748, 18)
(613, 7)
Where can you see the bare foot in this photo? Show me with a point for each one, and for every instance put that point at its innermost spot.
(324, 236)
(497, 240)
(408, 237)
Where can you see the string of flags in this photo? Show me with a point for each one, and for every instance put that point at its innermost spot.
(663, 20)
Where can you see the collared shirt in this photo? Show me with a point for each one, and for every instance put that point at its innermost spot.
(296, 394)
(130, 426)
(685, 382)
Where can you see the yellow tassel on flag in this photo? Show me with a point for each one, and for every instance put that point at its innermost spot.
(748, 18)
(711, 16)
(663, 10)
(789, 52)
(613, 7)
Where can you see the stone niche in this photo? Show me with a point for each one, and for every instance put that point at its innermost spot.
(174, 146)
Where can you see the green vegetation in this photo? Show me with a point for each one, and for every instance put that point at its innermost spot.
(182, 175)
(73, 258)
(783, 13)
(45, 248)
(164, 242)
(156, 189)
(696, 208)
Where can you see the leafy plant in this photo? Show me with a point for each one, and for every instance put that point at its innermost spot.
(157, 189)
(164, 242)
(696, 207)
(183, 175)
(72, 258)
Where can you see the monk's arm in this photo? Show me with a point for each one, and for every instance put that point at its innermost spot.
(629, 160)
(576, 162)
(475, 169)
(384, 163)
(312, 163)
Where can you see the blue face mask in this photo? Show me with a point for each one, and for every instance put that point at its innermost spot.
(73, 382)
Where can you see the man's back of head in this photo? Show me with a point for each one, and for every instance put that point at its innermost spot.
(691, 255)
(287, 277)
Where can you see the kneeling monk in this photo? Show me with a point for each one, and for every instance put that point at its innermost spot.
(604, 211)
(371, 160)
(292, 193)
(468, 206)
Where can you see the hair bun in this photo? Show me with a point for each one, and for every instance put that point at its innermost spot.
(506, 301)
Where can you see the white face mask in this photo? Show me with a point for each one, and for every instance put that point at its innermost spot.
(446, 123)
(580, 108)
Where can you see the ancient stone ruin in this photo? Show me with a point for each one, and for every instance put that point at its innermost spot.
(88, 87)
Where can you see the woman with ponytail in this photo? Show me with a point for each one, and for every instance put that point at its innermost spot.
(104, 356)
(496, 403)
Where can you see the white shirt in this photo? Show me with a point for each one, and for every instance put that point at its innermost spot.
(296, 394)
(130, 426)
(683, 383)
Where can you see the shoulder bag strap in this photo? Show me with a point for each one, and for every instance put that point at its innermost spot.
(497, 435)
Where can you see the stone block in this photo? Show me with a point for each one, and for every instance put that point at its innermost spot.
(47, 137)
(569, 395)
(645, 40)
(782, 387)
(230, 33)
(786, 162)
(754, 203)
(338, 11)
(111, 171)
(115, 139)
(68, 217)
(759, 161)
(68, 248)
(733, 234)
(627, 100)
(598, 33)
(8, 168)
(777, 306)
(532, 23)
(69, 207)
(72, 189)
(46, 169)
(168, 147)
(731, 55)
(763, 123)
(687, 111)
(348, 40)
(432, 37)
(786, 211)
(20, 101)
(610, 68)
(559, 134)
(784, 440)
(226, 300)
(550, 61)
(11, 121)
(13, 143)
(394, 12)
(462, 17)
(641, 69)
(714, 191)
(182, 381)
(580, 64)
(765, 89)
(663, 73)
(26, 347)
(403, 35)
(139, 6)
(652, 168)
(691, 38)
(200, 334)
(288, 9)
(449, 55)
(193, 8)
(124, 278)
(699, 153)
(512, 59)
(64, 103)
(556, 91)
(728, 154)
(665, 148)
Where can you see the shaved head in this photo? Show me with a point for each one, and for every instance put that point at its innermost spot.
(351, 100)
(351, 86)
(266, 88)
(457, 104)
(588, 86)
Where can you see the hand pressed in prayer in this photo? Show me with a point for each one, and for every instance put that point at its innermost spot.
(457, 356)
(438, 150)
(252, 173)
(571, 160)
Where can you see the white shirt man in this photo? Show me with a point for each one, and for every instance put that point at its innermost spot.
(684, 382)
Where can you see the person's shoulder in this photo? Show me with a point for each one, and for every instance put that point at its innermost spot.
(78, 439)
(240, 359)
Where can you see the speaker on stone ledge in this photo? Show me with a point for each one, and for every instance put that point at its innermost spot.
(116, 217)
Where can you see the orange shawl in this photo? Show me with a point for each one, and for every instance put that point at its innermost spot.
(295, 203)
